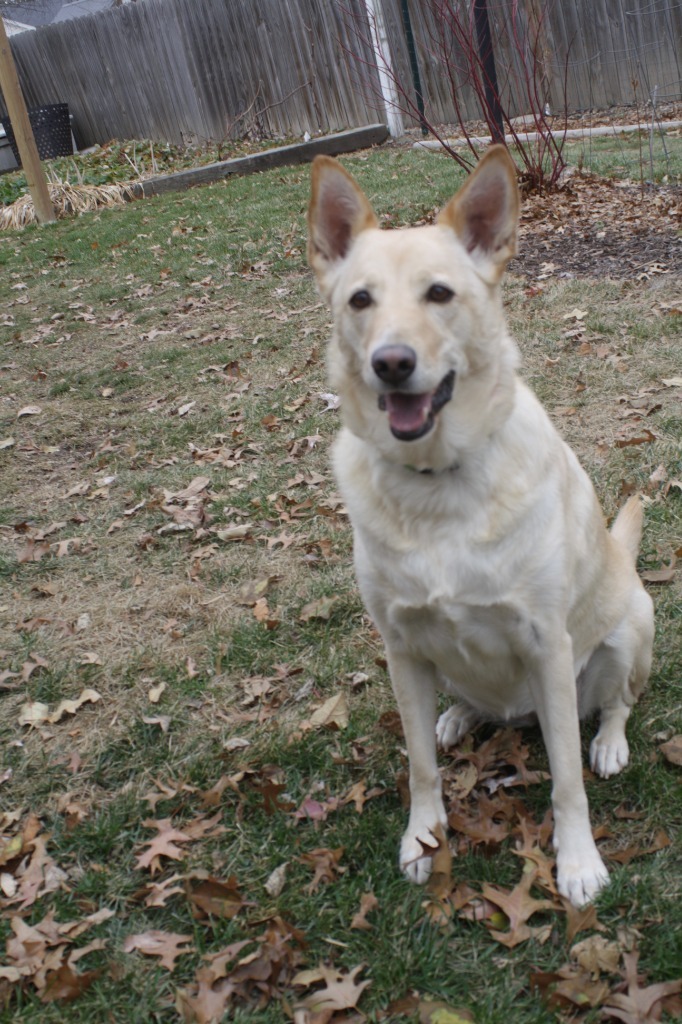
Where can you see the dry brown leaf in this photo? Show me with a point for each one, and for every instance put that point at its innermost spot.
(261, 611)
(154, 695)
(37, 875)
(157, 893)
(660, 841)
(341, 991)
(568, 988)
(163, 721)
(33, 713)
(333, 714)
(597, 954)
(518, 906)
(319, 609)
(70, 707)
(660, 575)
(672, 750)
(639, 1005)
(162, 845)
(368, 903)
(254, 590)
(165, 945)
(66, 984)
(212, 898)
(325, 863)
(276, 879)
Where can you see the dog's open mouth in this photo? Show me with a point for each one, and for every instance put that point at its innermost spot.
(412, 416)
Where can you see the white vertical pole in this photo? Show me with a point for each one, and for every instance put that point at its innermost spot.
(382, 58)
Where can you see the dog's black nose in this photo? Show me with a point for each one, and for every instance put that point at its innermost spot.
(394, 363)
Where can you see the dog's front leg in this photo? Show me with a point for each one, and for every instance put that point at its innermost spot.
(414, 685)
(580, 869)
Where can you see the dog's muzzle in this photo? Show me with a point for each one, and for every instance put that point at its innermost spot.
(412, 416)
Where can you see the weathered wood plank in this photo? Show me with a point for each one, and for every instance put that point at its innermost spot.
(194, 71)
(282, 156)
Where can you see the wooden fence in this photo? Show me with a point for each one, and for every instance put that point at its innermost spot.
(196, 70)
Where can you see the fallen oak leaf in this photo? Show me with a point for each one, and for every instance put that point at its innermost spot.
(165, 945)
(237, 532)
(66, 984)
(64, 547)
(30, 666)
(518, 906)
(276, 879)
(341, 991)
(638, 1005)
(368, 903)
(333, 714)
(70, 707)
(163, 721)
(325, 863)
(626, 442)
(90, 658)
(672, 750)
(33, 713)
(154, 695)
(250, 593)
(202, 826)
(660, 841)
(156, 893)
(37, 875)
(162, 845)
(581, 919)
(664, 575)
(568, 988)
(597, 954)
(212, 898)
(319, 609)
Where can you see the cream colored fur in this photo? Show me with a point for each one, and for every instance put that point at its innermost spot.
(491, 575)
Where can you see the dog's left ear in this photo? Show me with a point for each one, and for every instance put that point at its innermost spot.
(338, 212)
(485, 212)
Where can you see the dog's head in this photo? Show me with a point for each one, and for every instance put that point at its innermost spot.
(416, 312)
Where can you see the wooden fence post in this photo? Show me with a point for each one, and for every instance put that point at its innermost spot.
(23, 133)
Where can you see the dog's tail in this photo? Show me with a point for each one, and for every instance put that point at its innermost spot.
(627, 528)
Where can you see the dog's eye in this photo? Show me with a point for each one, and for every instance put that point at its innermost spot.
(361, 300)
(439, 293)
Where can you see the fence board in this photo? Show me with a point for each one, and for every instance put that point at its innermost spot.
(196, 70)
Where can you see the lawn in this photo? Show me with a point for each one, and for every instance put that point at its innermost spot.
(203, 774)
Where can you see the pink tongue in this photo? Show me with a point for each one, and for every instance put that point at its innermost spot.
(407, 413)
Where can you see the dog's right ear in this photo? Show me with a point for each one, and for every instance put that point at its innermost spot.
(338, 212)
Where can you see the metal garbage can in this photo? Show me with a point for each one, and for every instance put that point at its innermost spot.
(51, 128)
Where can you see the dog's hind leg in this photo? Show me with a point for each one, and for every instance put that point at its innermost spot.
(455, 723)
(614, 678)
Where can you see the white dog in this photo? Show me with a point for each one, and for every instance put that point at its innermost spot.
(480, 549)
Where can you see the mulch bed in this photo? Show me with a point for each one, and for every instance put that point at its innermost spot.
(596, 228)
(592, 227)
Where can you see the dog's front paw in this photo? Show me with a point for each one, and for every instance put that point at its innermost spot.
(579, 880)
(417, 848)
(609, 754)
(453, 724)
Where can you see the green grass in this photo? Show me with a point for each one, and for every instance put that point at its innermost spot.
(163, 608)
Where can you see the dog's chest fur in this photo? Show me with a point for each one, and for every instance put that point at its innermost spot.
(445, 573)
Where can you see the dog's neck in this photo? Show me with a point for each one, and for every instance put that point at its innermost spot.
(428, 471)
